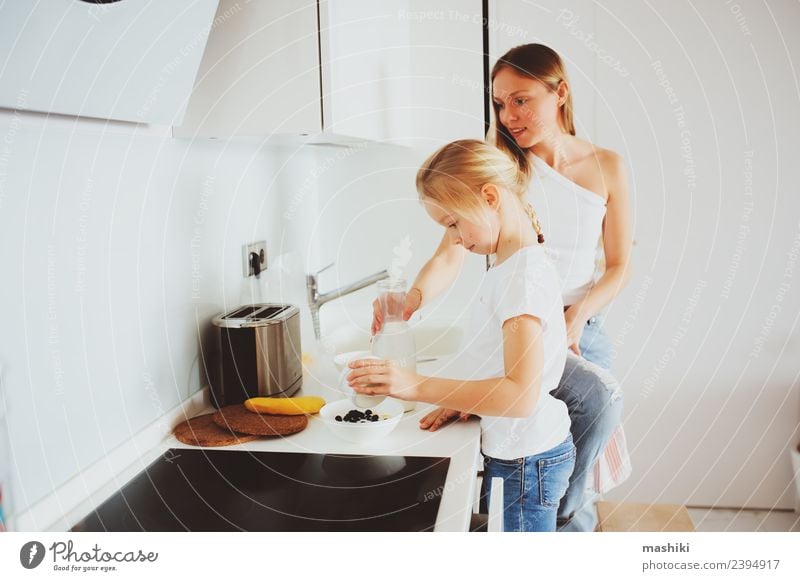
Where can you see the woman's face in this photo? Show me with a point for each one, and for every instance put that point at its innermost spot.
(478, 238)
(526, 107)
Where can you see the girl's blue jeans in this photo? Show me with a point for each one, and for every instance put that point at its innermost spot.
(594, 414)
(532, 487)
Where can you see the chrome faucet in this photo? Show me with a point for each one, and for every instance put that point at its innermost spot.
(317, 299)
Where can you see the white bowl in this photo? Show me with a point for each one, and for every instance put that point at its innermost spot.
(342, 359)
(366, 432)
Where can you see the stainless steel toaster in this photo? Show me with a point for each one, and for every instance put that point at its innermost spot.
(258, 353)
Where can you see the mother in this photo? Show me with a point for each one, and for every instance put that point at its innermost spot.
(580, 193)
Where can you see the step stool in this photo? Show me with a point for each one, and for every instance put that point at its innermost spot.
(625, 516)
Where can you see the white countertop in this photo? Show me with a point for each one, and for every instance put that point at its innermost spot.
(459, 441)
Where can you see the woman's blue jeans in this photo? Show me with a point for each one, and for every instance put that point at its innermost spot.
(595, 414)
(532, 487)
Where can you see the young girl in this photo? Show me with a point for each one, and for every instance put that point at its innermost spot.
(515, 354)
(581, 193)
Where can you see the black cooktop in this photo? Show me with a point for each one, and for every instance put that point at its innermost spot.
(234, 490)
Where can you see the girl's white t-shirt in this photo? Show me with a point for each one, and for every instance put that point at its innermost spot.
(525, 283)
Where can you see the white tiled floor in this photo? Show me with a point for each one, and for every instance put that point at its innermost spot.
(729, 520)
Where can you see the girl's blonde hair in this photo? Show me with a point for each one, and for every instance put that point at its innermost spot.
(543, 64)
(454, 175)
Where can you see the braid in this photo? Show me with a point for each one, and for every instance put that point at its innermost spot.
(535, 222)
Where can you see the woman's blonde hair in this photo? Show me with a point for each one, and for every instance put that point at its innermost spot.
(455, 174)
(543, 64)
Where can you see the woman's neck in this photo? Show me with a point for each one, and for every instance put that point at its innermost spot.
(554, 151)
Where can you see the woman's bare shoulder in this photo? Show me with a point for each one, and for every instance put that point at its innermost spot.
(599, 166)
(615, 174)
(611, 163)
(609, 160)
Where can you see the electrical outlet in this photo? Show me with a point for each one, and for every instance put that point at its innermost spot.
(254, 266)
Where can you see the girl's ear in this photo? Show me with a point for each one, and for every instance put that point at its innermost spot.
(491, 195)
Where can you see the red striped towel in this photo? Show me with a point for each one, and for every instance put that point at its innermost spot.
(614, 465)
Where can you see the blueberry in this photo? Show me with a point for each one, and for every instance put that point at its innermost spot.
(338, 418)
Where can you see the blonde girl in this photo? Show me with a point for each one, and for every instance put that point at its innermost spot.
(516, 350)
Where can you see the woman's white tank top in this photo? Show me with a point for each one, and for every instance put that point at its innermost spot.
(572, 222)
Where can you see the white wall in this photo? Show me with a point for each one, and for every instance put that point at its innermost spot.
(708, 352)
(701, 99)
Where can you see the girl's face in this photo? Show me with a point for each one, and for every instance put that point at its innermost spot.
(480, 238)
(526, 107)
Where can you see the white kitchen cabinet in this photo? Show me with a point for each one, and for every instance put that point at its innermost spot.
(399, 71)
(365, 51)
(404, 71)
(449, 93)
(130, 60)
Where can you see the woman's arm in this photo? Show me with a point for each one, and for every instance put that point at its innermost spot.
(434, 277)
(514, 395)
(617, 241)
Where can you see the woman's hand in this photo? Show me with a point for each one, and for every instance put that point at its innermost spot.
(412, 303)
(575, 325)
(440, 416)
(383, 377)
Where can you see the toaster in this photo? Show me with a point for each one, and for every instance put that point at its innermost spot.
(258, 353)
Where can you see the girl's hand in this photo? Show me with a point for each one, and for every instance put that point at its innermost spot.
(383, 377)
(438, 417)
(377, 317)
(412, 303)
(575, 327)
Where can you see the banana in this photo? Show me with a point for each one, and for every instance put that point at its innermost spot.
(285, 406)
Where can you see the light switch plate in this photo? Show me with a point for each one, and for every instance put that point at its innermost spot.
(260, 249)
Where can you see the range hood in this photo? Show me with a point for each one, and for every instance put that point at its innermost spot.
(128, 60)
